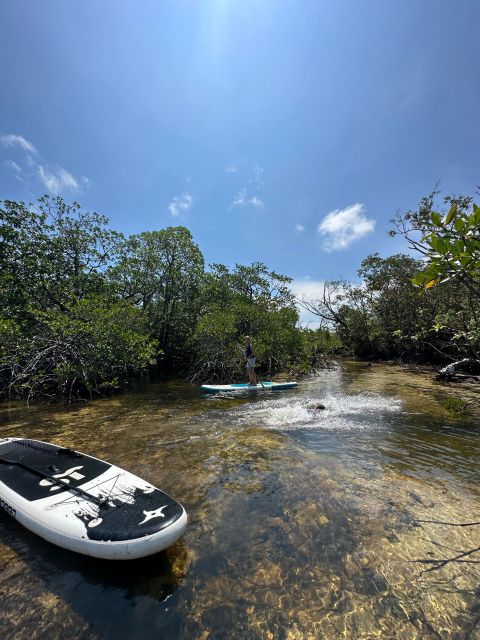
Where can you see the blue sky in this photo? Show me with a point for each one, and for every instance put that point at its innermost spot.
(284, 131)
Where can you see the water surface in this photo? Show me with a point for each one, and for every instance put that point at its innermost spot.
(302, 523)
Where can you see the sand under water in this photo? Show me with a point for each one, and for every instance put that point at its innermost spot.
(302, 523)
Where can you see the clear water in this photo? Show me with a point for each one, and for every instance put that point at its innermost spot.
(303, 523)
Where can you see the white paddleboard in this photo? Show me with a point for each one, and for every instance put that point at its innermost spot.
(83, 504)
(265, 386)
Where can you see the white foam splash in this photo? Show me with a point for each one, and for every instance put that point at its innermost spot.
(342, 412)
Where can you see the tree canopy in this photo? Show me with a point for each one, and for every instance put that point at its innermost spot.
(84, 308)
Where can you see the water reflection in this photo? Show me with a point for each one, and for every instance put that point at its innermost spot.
(302, 524)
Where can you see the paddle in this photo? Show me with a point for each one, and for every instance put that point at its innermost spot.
(67, 485)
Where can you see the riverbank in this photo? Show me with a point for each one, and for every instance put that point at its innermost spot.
(459, 397)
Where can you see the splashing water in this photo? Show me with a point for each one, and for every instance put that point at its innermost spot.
(342, 412)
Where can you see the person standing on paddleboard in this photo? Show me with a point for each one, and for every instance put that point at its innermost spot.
(250, 356)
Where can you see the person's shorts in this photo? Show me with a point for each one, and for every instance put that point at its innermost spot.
(250, 363)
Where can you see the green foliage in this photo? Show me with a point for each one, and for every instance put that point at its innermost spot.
(385, 316)
(52, 254)
(249, 300)
(452, 248)
(395, 310)
(450, 271)
(63, 331)
(456, 405)
(91, 348)
(162, 273)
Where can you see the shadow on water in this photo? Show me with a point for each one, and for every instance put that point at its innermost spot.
(99, 591)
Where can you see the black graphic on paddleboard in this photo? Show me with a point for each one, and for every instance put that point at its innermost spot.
(71, 467)
(146, 512)
(65, 476)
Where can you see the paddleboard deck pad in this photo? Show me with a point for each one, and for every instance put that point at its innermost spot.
(84, 504)
(265, 386)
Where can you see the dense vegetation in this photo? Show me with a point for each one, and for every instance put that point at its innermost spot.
(83, 308)
(423, 309)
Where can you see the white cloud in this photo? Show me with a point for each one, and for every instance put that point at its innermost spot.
(310, 290)
(11, 164)
(13, 140)
(54, 179)
(299, 228)
(256, 202)
(344, 226)
(58, 179)
(180, 204)
(242, 199)
(248, 196)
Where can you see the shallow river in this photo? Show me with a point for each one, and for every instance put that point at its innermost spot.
(302, 523)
